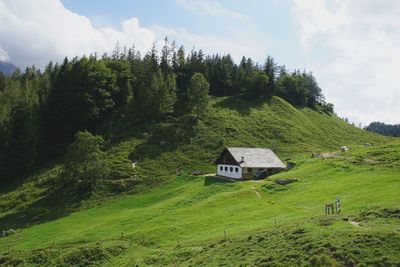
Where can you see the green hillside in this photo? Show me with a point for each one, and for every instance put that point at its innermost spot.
(159, 214)
(232, 121)
(183, 222)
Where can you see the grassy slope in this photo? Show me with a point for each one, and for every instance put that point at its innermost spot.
(163, 150)
(235, 122)
(195, 210)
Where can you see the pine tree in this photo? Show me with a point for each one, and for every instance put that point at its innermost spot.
(165, 63)
(270, 69)
(168, 95)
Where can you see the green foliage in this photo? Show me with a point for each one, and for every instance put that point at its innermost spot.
(291, 89)
(197, 94)
(85, 93)
(85, 161)
(257, 85)
(19, 128)
(270, 69)
(301, 89)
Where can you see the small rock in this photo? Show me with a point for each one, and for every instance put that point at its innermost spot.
(344, 148)
(286, 181)
(197, 172)
(7, 232)
(290, 165)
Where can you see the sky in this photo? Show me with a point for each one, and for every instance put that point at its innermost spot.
(351, 46)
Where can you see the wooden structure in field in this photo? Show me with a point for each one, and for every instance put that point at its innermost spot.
(248, 163)
(331, 207)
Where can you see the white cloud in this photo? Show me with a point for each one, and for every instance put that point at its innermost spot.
(34, 32)
(363, 39)
(202, 7)
(4, 55)
(237, 35)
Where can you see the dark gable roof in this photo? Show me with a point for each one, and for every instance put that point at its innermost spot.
(256, 157)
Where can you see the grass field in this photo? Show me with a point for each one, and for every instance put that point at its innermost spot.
(160, 214)
(185, 221)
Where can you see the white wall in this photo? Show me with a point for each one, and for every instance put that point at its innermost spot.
(228, 173)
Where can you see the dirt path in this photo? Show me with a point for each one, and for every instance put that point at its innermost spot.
(355, 224)
(255, 191)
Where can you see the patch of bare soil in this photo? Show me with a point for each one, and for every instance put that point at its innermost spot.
(256, 191)
(356, 224)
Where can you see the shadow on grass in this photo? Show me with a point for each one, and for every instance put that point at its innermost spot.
(241, 104)
(210, 180)
(164, 137)
(56, 204)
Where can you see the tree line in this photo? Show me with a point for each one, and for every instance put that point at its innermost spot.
(384, 129)
(42, 110)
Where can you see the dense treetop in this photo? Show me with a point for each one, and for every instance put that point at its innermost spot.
(41, 111)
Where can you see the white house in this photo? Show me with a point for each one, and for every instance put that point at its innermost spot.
(247, 163)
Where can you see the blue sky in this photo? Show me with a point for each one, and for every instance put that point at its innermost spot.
(270, 23)
(352, 47)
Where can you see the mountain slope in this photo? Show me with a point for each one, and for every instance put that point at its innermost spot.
(7, 68)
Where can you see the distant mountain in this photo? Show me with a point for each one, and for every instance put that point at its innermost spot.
(7, 68)
(384, 129)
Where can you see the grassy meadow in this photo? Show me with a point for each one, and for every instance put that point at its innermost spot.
(166, 216)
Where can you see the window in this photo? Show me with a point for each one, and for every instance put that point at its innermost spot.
(231, 169)
(236, 169)
(226, 169)
(260, 170)
(221, 168)
(249, 170)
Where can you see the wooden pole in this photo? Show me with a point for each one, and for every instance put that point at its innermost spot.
(224, 234)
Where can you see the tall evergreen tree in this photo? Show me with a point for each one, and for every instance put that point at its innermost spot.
(270, 69)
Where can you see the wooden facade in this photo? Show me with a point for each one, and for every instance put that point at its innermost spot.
(226, 158)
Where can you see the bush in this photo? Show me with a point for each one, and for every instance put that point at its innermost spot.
(84, 256)
(86, 162)
(322, 261)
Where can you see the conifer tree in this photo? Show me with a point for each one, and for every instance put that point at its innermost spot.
(270, 69)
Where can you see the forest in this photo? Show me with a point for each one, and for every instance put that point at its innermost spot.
(384, 129)
(42, 110)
